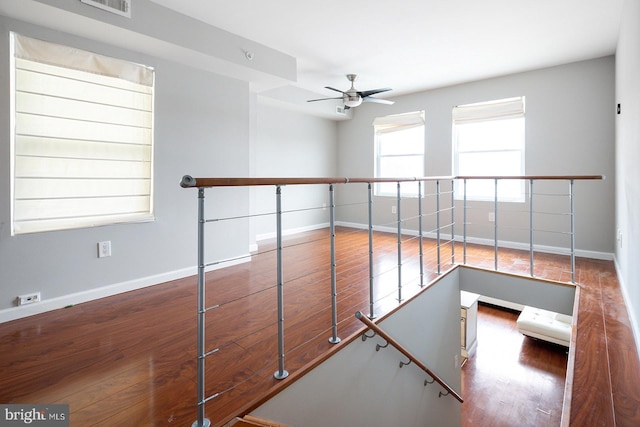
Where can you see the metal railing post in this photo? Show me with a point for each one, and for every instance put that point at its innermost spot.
(464, 222)
(495, 224)
(420, 233)
(531, 227)
(453, 224)
(201, 421)
(399, 219)
(573, 235)
(334, 293)
(370, 207)
(438, 222)
(281, 373)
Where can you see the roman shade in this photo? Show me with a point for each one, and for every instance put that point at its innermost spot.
(82, 140)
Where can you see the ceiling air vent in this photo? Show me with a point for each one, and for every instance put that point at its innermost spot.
(119, 7)
(340, 110)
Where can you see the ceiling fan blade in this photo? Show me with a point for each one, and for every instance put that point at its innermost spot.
(332, 88)
(322, 99)
(378, 100)
(366, 93)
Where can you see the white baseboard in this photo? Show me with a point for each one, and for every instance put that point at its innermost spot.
(14, 313)
(489, 242)
(635, 327)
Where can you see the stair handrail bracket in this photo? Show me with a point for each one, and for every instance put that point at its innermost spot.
(375, 328)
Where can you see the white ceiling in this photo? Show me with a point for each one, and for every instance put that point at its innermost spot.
(413, 45)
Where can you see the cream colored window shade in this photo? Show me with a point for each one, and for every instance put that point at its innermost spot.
(398, 122)
(510, 108)
(82, 146)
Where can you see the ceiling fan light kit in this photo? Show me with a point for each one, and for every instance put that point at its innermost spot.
(353, 98)
(352, 101)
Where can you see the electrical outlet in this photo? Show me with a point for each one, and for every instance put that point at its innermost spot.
(393, 209)
(492, 217)
(29, 298)
(104, 249)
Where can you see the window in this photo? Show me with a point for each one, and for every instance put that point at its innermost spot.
(81, 140)
(399, 148)
(488, 140)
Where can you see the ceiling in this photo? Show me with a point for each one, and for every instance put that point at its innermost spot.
(414, 45)
(407, 45)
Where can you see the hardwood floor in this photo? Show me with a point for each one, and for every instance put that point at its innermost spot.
(129, 360)
(511, 379)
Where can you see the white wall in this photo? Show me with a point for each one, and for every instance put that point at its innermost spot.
(361, 387)
(291, 144)
(628, 159)
(569, 130)
(201, 128)
(519, 291)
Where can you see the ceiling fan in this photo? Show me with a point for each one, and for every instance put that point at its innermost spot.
(353, 97)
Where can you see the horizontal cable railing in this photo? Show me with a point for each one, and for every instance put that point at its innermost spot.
(375, 328)
(425, 245)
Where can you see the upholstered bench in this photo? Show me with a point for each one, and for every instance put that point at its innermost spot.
(545, 325)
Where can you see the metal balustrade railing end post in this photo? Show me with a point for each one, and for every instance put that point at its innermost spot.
(201, 421)
(281, 373)
(334, 292)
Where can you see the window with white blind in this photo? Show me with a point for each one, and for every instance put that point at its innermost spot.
(82, 139)
(399, 151)
(488, 140)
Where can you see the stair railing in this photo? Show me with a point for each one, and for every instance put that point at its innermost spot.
(375, 328)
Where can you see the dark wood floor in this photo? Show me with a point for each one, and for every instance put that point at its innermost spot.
(512, 380)
(129, 360)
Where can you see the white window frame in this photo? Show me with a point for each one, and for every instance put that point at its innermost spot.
(487, 113)
(81, 138)
(394, 123)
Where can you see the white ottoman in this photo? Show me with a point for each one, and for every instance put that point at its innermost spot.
(545, 325)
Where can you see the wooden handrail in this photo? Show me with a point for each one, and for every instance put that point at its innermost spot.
(188, 181)
(364, 319)
(537, 177)
(191, 182)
